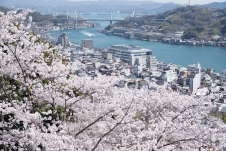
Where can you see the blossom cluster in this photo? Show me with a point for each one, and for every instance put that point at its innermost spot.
(45, 106)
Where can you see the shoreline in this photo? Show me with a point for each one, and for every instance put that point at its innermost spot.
(173, 41)
(151, 40)
(64, 29)
(193, 45)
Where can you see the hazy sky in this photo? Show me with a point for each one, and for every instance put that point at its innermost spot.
(62, 2)
(192, 2)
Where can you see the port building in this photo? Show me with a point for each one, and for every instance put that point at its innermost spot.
(130, 54)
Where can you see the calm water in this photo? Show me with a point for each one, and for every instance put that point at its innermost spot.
(209, 57)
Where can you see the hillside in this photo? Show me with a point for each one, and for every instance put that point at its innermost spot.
(40, 19)
(3, 9)
(215, 5)
(197, 22)
(46, 6)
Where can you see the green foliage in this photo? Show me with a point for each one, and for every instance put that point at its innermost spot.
(56, 112)
(48, 58)
(68, 77)
(190, 34)
(14, 86)
(223, 22)
(78, 93)
(12, 90)
(219, 115)
(199, 21)
(64, 61)
(60, 110)
(41, 20)
(39, 40)
(61, 16)
(38, 17)
(224, 117)
(4, 9)
(43, 23)
(199, 29)
(45, 81)
(223, 29)
(196, 21)
(40, 107)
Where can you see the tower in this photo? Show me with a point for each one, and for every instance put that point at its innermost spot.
(151, 61)
(194, 77)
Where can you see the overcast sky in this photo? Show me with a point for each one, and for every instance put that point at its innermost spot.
(192, 2)
(57, 2)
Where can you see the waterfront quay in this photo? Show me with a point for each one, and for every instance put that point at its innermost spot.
(150, 33)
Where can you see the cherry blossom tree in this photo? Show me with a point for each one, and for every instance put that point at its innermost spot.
(45, 106)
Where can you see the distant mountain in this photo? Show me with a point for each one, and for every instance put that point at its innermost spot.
(166, 6)
(142, 7)
(27, 3)
(61, 6)
(216, 5)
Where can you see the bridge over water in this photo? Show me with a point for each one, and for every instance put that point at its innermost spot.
(83, 19)
(76, 19)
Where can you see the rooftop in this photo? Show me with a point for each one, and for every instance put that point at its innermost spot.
(194, 65)
(130, 48)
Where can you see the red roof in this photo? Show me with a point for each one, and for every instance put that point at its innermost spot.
(122, 63)
(102, 66)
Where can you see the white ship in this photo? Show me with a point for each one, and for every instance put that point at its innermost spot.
(87, 33)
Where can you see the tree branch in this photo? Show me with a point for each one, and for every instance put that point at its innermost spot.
(177, 141)
(93, 123)
(112, 128)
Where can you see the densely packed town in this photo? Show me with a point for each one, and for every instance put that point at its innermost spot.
(137, 67)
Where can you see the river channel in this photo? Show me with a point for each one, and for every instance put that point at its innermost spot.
(207, 56)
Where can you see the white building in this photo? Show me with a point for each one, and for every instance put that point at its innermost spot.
(63, 40)
(215, 76)
(169, 76)
(223, 75)
(137, 69)
(194, 77)
(96, 64)
(106, 55)
(194, 68)
(207, 80)
(156, 73)
(129, 53)
(125, 71)
(178, 34)
(151, 61)
(87, 43)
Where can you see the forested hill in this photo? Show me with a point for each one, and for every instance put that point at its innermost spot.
(194, 20)
(3, 9)
(215, 5)
(37, 16)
